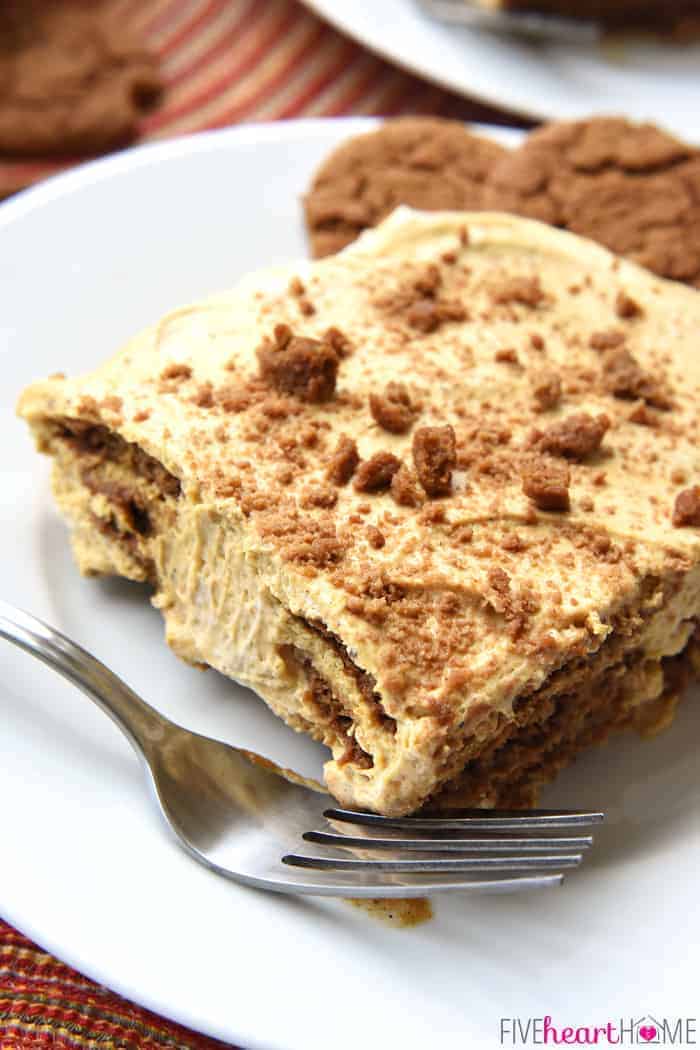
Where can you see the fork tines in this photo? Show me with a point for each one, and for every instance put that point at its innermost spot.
(469, 842)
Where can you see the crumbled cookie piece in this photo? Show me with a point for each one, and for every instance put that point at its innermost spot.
(686, 509)
(643, 416)
(624, 378)
(111, 403)
(393, 410)
(607, 340)
(375, 537)
(513, 542)
(435, 457)
(405, 489)
(319, 496)
(424, 315)
(507, 356)
(546, 389)
(499, 580)
(516, 608)
(306, 368)
(203, 397)
(320, 551)
(626, 307)
(232, 398)
(343, 461)
(176, 372)
(338, 340)
(419, 304)
(428, 314)
(429, 281)
(546, 482)
(524, 290)
(425, 162)
(375, 474)
(575, 437)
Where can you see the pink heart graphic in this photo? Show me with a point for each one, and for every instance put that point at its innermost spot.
(647, 1032)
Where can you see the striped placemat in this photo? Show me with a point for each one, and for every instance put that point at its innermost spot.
(229, 61)
(44, 1004)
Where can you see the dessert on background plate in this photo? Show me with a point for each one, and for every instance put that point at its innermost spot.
(661, 14)
(434, 498)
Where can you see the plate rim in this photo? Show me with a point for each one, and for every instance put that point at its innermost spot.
(323, 9)
(144, 153)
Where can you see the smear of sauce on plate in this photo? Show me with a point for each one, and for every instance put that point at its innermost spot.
(403, 912)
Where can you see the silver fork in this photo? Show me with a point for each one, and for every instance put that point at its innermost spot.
(528, 24)
(243, 817)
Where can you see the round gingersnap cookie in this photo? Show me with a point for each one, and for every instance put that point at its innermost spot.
(73, 78)
(425, 162)
(632, 187)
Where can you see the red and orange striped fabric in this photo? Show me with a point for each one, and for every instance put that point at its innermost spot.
(229, 61)
(45, 1005)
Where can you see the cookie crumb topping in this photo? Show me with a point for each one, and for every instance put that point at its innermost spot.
(375, 474)
(375, 537)
(405, 489)
(526, 291)
(626, 307)
(686, 509)
(606, 340)
(624, 378)
(508, 356)
(575, 437)
(546, 389)
(393, 410)
(305, 368)
(176, 372)
(435, 457)
(546, 482)
(343, 461)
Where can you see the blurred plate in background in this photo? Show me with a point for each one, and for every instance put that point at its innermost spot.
(642, 78)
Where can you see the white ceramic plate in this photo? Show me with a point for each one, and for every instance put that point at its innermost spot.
(86, 867)
(644, 79)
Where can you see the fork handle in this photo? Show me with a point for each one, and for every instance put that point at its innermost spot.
(140, 723)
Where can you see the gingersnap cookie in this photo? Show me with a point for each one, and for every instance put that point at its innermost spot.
(425, 162)
(73, 78)
(632, 187)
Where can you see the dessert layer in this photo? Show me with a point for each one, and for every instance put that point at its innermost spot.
(662, 13)
(409, 493)
(218, 614)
